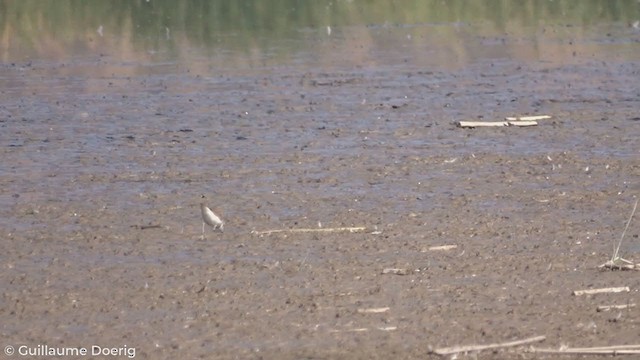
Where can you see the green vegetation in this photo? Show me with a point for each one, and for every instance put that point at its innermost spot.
(35, 27)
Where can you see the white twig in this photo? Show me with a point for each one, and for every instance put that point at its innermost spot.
(473, 124)
(464, 349)
(338, 229)
(601, 350)
(373, 310)
(305, 257)
(617, 250)
(395, 271)
(601, 291)
(442, 248)
(528, 118)
(614, 307)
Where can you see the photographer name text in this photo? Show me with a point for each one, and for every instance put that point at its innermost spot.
(55, 351)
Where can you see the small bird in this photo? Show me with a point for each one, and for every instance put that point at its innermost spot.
(210, 218)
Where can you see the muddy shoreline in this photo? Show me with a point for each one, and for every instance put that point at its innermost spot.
(532, 211)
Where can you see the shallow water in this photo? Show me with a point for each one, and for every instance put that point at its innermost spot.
(376, 87)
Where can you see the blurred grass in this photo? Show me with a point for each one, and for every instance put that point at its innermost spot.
(40, 28)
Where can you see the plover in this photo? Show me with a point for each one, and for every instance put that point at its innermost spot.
(210, 218)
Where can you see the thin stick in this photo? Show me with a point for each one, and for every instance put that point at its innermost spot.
(612, 347)
(338, 229)
(373, 310)
(145, 227)
(388, 328)
(616, 250)
(463, 349)
(305, 257)
(383, 328)
(395, 271)
(528, 118)
(605, 350)
(473, 124)
(614, 307)
(601, 291)
(348, 330)
(442, 247)
(586, 352)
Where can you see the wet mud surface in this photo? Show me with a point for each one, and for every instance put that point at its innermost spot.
(101, 228)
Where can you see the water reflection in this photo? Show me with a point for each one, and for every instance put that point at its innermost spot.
(252, 34)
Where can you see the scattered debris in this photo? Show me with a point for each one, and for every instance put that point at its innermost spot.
(440, 248)
(469, 348)
(373, 310)
(395, 271)
(602, 350)
(602, 308)
(528, 118)
(616, 262)
(338, 229)
(382, 328)
(145, 227)
(349, 330)
(619, 264)
(509, 121)
(473, 124)
(388, 328)
(601, 291)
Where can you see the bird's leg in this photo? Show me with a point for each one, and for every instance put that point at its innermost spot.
(202, 230)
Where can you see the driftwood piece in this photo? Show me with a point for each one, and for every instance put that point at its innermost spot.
(348, 330)
(387, 328)
(319, 230)
(601, 291)
(474, 124)
(600, 350)
(469, 348)
(509, 121)
(619, 264)
(395, 271)
(381, 328)
(528, 118)
(614, 307)
(145, 227)
(373, 310)
(440, 248)
(612, 347)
